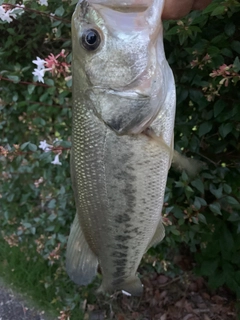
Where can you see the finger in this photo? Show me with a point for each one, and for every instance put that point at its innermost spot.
(200, 4)
(176, 9)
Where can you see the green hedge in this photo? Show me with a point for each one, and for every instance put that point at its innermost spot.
(37, 204)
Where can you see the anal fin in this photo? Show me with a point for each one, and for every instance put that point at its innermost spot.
(81, 264)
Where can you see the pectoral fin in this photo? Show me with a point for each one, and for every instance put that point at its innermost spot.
(179, 161)
(81, 264)
(158, 236)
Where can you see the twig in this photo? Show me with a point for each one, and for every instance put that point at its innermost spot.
(201, 155)
(170, 282)
(26, 82)
(37, 11)
(201, 310)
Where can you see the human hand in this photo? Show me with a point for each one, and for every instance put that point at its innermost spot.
(176, 9)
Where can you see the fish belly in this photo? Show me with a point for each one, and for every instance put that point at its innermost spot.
(119, 184)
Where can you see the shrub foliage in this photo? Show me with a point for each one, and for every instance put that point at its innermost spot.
(37, 204)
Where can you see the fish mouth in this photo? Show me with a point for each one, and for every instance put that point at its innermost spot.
(126, 6)
(127, 94)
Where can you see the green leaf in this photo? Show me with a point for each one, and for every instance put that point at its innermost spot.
(227, 238)
(59, 11)
(198, 184)
(179, 184)
(10, 197)
(218, 11)
(52, 216)
(31, 88)
(210, 8)
(217, 280)
(217, 192)
(52, 204)
(232, 200)
(229, 29)
(189, 189)
(24, 145)
(213, 50)
(62, 238)
(32, 147)
(184, 176)
(175, 232)
(202, 201)
(65, 144)
(178, 212)
(215, 208)
(172, 31)
(234, 216)
(225, 129)
(49, 82)
(227, 188)
(202, 218)
(204, 128)
(14, 79)
(218, 107)
(209, 267)
(236, 64)
(226, 52)
(27, 225)
(235, 45)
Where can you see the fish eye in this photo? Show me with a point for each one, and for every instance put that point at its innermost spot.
(91, 39)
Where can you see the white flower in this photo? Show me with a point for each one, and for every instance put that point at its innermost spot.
(8, 15)
(43, 2)
(56, 160)
(5, 15)
(45, 146)
(40, 63)
(39, 74)
(19, 10)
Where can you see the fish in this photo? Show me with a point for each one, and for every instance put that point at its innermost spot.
(124, 104)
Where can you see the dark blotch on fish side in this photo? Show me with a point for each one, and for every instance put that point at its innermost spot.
(121, 246)
(122, 238)
(125, 157)
(119, 254)
(119, 273)
(122, 218)
(135, 230)
(120, 262)
(118, 281)
(129, 168)
(129, 194)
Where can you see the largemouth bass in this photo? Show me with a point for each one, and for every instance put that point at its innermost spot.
(123, 103)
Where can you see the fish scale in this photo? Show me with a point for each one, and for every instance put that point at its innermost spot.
(118, 172)
(138, 200)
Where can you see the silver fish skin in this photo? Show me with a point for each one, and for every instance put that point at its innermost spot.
(119, 173)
